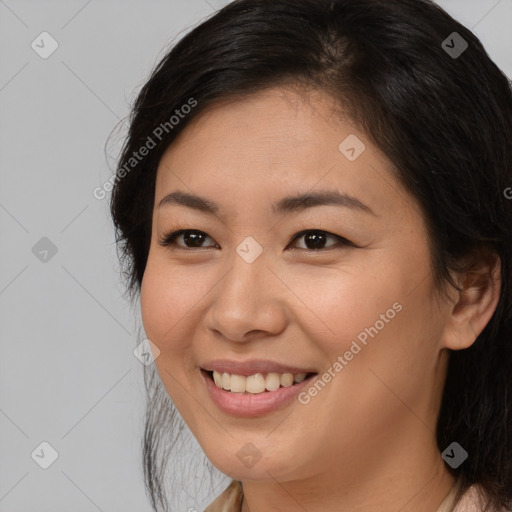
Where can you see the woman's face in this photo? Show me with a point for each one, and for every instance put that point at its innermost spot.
(360, 313)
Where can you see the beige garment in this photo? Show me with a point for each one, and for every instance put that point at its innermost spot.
(231, 500)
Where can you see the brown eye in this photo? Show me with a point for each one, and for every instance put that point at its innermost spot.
(315, 240)
(192, 238)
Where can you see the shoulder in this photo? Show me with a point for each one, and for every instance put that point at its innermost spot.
(228, 501)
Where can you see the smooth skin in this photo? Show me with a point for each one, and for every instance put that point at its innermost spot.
(367, 440)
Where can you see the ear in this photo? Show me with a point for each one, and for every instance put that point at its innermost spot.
(476, 303)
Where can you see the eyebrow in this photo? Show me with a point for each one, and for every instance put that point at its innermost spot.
(288, 204)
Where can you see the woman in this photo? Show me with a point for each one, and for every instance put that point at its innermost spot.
(312, 204)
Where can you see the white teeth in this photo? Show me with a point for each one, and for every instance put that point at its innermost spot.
(256, 383)
(226, 381)
(272, 381)
(237, 384)
(286, 379)
(217, 377)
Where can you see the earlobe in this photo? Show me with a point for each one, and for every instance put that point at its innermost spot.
(476, 304)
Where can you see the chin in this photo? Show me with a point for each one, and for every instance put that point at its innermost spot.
(250, 463)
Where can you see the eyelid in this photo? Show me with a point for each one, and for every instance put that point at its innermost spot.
(169, 237)
(341, 240)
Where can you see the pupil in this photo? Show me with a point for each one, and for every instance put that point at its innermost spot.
(193, 238)
(313, 240)
(317, 238)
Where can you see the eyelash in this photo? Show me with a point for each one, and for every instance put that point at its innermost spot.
(169, 240)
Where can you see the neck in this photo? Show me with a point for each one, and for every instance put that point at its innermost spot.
(409, 482)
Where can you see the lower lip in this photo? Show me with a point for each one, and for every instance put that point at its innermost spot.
(248, 405)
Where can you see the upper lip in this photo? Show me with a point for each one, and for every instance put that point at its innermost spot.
(252, 367)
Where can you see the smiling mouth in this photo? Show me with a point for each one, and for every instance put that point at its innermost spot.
(257, 383)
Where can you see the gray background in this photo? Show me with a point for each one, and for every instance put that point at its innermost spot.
(68, 373)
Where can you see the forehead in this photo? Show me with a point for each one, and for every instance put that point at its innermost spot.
(265, 124)
(273, 144)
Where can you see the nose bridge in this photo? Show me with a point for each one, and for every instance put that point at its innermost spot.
(245, 299)
(248, 263)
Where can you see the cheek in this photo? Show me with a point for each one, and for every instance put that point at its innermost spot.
(165, 301)
(346, 306)
(165, 305)
(152, 295)
(371, 319)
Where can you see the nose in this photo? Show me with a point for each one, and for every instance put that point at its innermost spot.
(249, 302)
